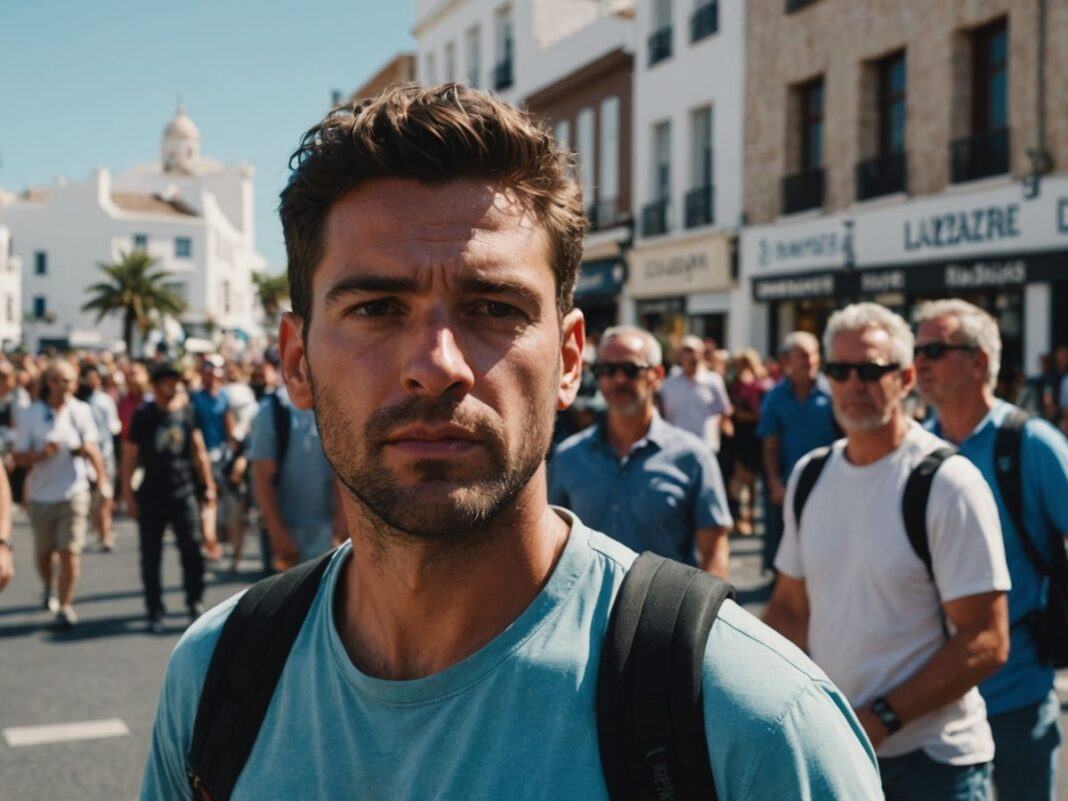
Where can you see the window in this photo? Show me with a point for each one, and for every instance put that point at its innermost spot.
(990, 78)
(662, 161)
(699, 196)
(502, 70)
(608, 185)
(40, 263)
(660, 38)
(474, 57)
(140, 241)
(431, 69)
(179, 288)
(183, 247)
(10, 308)
(587, 155)
(704, 21)
(450, 61)
(811, 96)
(226, 297)
(40, 306)
(885, 173)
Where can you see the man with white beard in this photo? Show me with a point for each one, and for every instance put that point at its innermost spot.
(892, 570)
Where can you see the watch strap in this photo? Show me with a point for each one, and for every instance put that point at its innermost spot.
(881, 708)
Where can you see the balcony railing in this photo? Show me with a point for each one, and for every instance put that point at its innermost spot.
(795, 5)
(655, 218)
(659, 45)
(980, 156)
(603, 214)
(704, 21)
(883, 175)
(803, 190)
(502, 75)
(699, 207)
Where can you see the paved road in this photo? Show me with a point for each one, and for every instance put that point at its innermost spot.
(109, 669)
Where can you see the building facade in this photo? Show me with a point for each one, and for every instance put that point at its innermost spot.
(906, 151)
(399, 69)
(191, 213)
(10, 292)
(688, 115)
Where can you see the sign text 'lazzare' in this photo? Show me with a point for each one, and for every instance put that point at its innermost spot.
(987, 224)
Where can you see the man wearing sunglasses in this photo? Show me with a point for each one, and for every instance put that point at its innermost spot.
(634, 476)
(958, 355)
(906, 643)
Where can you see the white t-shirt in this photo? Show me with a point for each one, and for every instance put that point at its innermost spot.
(108, 425)
(243, 406)
(62, 476)
(696, 404)
(875, 617)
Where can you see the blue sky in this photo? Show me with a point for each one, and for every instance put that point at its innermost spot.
(88, 83)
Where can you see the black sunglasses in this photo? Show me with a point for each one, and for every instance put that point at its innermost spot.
(936, 350)
(609, 369)
(866, 371)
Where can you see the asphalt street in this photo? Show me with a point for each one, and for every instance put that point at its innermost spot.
(97, 685)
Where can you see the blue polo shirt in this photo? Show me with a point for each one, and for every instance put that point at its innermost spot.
(210, 411)
(1044, 463)
(654, 499)
(801, 426)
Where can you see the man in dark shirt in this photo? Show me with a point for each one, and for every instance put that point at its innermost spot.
(164, 438)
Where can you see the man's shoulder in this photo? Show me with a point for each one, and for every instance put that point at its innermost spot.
(680, 443)
(577, 443)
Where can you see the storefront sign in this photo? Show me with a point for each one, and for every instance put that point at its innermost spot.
(599, 278)
(796, 287)
(970, 226)
(701, 265)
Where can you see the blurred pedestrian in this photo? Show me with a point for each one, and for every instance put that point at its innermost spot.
(958, 353)
(892, 571)
(108, 425)
(165, 441)
(747, 392)
(634, 476)
(7, 543)
(695, 399)
(795, 417)
(58, 442)
(215, 420)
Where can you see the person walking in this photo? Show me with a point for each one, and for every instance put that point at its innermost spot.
(634, 476)
(57, 442)
(695, 399)
(465, 614)
(795, 417)
(958, 354)
(108, 425)
(215, 420)
(7, 543)
(897, 591)
(165, 441)
(747, 391)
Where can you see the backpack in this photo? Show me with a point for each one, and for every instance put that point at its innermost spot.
(1049, 626)
(913, 500)
(650, 715)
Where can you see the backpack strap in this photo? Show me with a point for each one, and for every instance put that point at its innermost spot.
(914, 503)
(810, 474)
(650, 715)
(249, 657)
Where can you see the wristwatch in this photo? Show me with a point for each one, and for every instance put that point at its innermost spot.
(881, 708)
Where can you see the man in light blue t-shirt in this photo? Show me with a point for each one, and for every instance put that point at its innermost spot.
(958, 354)
(452, 649)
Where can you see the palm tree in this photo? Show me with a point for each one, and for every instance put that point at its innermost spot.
(272, 290)
(135, 290)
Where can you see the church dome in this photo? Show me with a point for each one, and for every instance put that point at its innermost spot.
(181, 127)
(181, 142)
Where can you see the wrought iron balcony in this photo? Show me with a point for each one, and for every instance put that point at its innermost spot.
(655, 218)
(879, 176)
(699, 207)
(704, 21)
(803, 190)
(980, 155)
(603, 214)
(502, 75)
(659, 45)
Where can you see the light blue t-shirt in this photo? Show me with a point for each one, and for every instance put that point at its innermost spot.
(305, 489)
(515, 720)
(655, 499)
(801, 426)
(1044, 466)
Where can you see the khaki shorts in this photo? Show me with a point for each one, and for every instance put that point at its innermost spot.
(59, 526)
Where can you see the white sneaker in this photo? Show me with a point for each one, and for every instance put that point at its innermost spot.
(51, 602)
(67, 617)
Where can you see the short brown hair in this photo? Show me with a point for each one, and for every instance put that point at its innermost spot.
(433, 135)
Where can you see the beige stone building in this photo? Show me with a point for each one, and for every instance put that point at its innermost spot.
(399, 69)
(900, 150)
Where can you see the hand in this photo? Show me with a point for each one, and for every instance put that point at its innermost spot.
(777, 491)
(872, 726)
(7, 565)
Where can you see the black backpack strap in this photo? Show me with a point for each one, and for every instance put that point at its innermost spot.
(914, 503)
(249, 657)
(810, 474)
(1007, 468)
(650, 715)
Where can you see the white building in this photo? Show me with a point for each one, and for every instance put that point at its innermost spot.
(688, 148)
(10, 291)
(191, 213)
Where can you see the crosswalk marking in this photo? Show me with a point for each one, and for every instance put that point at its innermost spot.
(64, 732)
